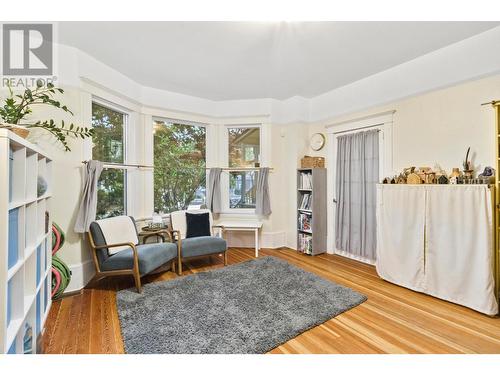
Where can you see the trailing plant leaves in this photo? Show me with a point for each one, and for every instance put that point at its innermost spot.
(15, 110)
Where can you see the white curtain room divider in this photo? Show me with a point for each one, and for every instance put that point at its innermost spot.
(438, 239)
(400, 235)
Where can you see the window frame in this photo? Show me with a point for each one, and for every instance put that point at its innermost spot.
(226, 209)
(126, 152)
(180, 122)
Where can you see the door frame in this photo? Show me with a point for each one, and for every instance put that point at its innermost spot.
(381, 121)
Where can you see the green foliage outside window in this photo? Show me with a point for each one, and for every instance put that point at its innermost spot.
(108, 134)
(179, 160)
(111, 193)
(244, 152)
(108, 137)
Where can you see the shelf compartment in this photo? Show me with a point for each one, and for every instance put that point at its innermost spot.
(41, 218)
(31, 224)
(17, 173)
(42, 178)
(39, 310)
(26, 335)
(15, 305)
(48, 176)
(47, 291)
(14, 237)
(30, 281)
(38, 269)
(48, 253)
(31, 176)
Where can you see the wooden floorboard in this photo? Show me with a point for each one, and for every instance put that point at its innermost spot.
(392, 320)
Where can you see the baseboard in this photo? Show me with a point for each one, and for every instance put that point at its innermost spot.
(81, 274)
(268, 240)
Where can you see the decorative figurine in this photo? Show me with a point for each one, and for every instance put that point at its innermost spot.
(455, 172)
(468, 171)
(413, 179)
(487, 175)
(442, 180)
(401, 178)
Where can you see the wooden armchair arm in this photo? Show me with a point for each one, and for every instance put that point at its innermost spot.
(101, 247)
(129, 244)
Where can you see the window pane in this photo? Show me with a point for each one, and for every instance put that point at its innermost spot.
(244, 147)
(108, 137)
(242, 189)
(111, 193)
(179, 160)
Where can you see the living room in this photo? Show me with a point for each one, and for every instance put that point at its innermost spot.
(250, 186)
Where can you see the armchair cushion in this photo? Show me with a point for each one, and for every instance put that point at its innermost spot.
(151, 256)
(198, 225)
(118, 229)
(178, 220)
(197, 246)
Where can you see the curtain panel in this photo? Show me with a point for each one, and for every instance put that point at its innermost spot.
(356, 179)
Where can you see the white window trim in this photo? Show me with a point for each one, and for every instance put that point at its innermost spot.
(224, 153)
(129, 151)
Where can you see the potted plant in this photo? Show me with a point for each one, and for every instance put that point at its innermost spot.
(17, 107)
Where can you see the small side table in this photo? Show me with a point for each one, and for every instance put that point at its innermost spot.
(159, 233)
(244, 226)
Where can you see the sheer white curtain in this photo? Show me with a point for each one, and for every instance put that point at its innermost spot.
(356, 179)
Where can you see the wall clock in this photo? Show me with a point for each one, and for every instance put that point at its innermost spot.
(317, 141)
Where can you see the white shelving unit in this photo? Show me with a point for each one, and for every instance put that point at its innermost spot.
(25, 243)
(311, 212)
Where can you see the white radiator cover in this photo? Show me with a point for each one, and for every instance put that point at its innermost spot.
(438, 239)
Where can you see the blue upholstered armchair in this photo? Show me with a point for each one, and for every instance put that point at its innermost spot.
(116, 250)
(199, 246)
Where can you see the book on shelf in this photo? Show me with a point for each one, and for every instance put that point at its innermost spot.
(305, 243)
(305, 222)
(305, 180)
(306, 201)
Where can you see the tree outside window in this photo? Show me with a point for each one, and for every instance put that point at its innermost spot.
(244, 152)
(179, 160)
(108, 147)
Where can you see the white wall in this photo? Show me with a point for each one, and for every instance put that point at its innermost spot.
(437, 127)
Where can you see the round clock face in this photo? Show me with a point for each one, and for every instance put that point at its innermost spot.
(317, 141)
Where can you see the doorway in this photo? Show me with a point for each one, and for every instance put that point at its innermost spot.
(348, 222)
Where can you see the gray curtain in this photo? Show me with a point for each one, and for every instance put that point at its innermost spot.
(263, 204)
(357, 175)
(214, 201)
(88, 203)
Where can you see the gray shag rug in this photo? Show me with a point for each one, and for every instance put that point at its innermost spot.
(250, 307)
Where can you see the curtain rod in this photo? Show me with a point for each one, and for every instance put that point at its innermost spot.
(357, 129)
(123, 165)
(493, 102)
(241, 169)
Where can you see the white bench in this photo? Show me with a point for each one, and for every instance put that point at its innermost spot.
(243, 226)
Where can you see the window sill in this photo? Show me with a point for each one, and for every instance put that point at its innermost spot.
(239, 211)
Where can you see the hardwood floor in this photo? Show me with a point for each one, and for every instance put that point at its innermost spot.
(393, 320)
